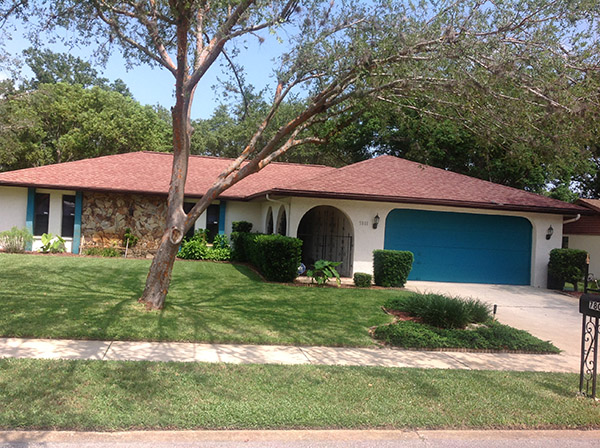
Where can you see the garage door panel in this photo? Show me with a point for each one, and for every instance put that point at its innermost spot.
(462, 247)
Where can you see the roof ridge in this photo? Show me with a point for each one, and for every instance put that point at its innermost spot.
(203, 156)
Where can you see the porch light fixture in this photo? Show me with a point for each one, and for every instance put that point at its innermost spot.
(549, 233)
(376, 221)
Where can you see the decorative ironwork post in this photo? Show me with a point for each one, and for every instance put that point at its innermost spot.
(589, 306)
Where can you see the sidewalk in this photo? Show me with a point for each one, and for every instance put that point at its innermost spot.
(279, 354)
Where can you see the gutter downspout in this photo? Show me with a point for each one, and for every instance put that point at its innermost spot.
(572, 219)
(287, 230)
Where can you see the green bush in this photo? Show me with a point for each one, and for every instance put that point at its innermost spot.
(129, 239)
(479, 312)
(241, 226)
(221, 242)
(196, 248)
(567, 265)
(277, 257)
(324, 271)
(362, 279)
(391, 267)
(493, 336)
(441, 311)
(102, 251)
(52, 243)
(15, 240)
(239, 244)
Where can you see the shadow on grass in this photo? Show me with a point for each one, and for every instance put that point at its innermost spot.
(94, 298)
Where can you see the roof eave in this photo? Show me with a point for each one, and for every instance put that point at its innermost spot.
(110, 190)
(440, 202)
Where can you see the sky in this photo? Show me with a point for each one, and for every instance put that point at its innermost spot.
(155, 85)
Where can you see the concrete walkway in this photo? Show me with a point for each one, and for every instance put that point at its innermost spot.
(278, 354)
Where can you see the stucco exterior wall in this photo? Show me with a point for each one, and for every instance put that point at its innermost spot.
(242, 211)
(367, 239)
(591, 244)
(13, 207)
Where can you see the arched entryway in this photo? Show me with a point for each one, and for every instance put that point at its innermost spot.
(327, 234)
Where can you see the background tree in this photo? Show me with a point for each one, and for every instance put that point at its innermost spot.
(61, 123)
(50, 68)
(451, 56)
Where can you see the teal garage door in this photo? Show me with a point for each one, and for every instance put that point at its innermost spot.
(462, 247)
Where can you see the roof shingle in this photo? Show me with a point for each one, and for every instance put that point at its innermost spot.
(384, 178)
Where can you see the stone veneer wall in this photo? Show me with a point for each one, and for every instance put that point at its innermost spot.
(105, 216)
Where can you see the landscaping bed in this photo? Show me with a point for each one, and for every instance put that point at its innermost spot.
(437, 322)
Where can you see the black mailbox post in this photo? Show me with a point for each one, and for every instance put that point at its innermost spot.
(589, 306)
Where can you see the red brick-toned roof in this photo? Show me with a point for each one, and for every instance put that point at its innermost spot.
(150, 172)
(389, 178)
(384, 178)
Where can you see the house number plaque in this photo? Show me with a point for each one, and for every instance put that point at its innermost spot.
(589, 306)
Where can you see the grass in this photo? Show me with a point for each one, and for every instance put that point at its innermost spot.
(49, 296)
(96, 395)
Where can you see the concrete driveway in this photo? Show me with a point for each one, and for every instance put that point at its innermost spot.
(549, 315)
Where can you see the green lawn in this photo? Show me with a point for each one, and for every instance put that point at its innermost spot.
(96, 298)
(96, 395)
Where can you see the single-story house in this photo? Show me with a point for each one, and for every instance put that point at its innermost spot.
(583, 232)
(459, 228)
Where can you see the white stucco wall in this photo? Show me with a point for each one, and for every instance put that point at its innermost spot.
(591, 244)
(13, 207)
(243, 211)
(367, 239)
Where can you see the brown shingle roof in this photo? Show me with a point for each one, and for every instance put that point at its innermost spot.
(150, 172)
(384, 178)
(389, 178)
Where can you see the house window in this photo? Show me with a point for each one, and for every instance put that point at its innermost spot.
(68, 216)
(565, 242)
(187, 206)
(42, 211)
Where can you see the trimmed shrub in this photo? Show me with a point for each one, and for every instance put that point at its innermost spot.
(441, 311)
(391, 267)
(241, 226)
(15, 240)
(566, 265)
(277, 257)
(362, 279)
(239, 244)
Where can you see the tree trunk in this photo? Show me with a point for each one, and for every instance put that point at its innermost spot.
(159, 276)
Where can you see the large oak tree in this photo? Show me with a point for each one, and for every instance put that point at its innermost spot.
(338, 56)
